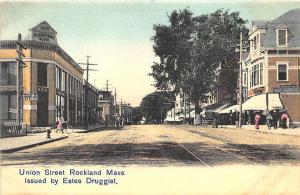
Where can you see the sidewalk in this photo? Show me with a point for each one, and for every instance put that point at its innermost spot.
(13, 144)
(264, 129)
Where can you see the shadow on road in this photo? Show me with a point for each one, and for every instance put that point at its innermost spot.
(155, 154)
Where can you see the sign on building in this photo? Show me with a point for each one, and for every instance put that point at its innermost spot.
(43, 32)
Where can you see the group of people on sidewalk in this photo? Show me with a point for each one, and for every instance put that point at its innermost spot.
(272, 119)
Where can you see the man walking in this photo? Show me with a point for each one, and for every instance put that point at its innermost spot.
(275, 119)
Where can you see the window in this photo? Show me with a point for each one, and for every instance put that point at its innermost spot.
(42, 74)
(8, 73)
(282, 37)
(261, 73)
(60, 107)
(8, 102)
(256, 42)
(63, 81)
(282, 72)
(245, 78)
(58, 78)
(256, 75)
(101, 97)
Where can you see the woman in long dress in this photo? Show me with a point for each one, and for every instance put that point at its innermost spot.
(257, 119)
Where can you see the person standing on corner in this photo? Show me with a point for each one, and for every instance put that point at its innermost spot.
(257, 119)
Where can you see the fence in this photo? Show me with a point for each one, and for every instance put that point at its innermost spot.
(13, 129)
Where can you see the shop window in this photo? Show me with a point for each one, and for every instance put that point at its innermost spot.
(63, 81)
(282, 72)
(8, 103)
(42, 74)
(58, 78)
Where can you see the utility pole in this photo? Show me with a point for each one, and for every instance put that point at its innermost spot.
(115, 101)
(86, 89)
(121, 108)
(19, 79)
(240, 80)
(184, 105)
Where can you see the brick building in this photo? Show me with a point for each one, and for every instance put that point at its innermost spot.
(274, 60)
(50, 73)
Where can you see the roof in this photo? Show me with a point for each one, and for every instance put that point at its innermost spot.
(43, 23)
(289, 20)
(260, 23)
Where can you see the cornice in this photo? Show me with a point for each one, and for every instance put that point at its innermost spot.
(11, 44)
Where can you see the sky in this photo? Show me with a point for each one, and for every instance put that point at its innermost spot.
(117, 34)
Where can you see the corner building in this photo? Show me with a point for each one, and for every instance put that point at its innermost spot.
(275, 61)
(50, 73)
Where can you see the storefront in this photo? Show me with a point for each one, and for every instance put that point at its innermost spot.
(49, 72)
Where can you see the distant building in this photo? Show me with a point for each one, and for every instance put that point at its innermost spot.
(126, 113)
(275, 60)
(106, 104)
(93, 109)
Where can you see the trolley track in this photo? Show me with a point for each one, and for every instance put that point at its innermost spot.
(248, 153)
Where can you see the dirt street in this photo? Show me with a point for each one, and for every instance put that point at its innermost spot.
(160, 145)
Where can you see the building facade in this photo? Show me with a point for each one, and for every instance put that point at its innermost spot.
(106, 104)
(274, 61)
(50, 73)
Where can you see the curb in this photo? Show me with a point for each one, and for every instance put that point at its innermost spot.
(97, 129)
(263, 131)
(6, 151)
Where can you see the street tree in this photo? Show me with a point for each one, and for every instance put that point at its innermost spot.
(209, 53)
(155, 106)
(137, 115)
(172, 46)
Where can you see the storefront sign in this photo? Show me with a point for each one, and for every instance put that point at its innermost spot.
(44, 32)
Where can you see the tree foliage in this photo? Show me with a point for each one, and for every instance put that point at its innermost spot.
(154, 106)
(196, 52)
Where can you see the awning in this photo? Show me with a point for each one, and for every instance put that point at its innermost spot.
(259, 102)
(234, 108)
(220, 108)
(169, 119)
(192, 113)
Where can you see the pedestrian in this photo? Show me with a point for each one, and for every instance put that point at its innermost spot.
(216, 120)
(269, 119)
(284, 117)
(60, 125)
(231, 121)
(275, 119)
(257, 119)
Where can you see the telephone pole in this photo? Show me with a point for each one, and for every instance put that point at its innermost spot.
(86, 89)
(240, 80)
(115, 101)
(19, 79)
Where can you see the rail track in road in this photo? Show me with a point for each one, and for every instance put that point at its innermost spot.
(200, 159)
(224, 141)
(248, 153)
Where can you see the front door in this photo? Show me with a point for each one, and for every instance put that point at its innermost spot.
(42, 109)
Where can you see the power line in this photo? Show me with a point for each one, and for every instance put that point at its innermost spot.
(86, 88)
